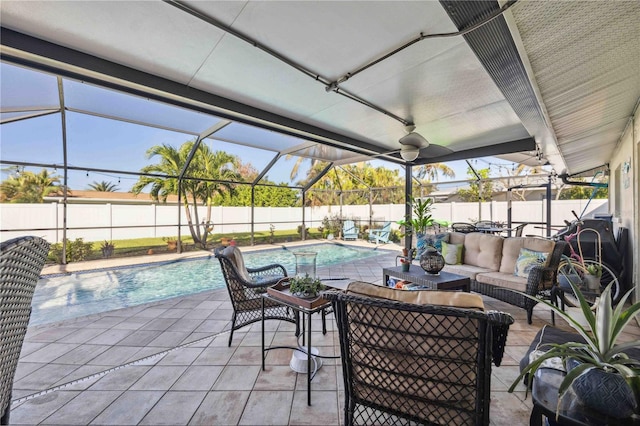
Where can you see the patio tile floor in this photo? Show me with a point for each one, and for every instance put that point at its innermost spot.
(168, 363)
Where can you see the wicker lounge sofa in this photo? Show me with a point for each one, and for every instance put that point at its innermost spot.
(490, 262)
(416, 356)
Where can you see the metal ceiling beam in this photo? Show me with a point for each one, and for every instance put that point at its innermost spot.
(39, 54)
(528, 144)
(496, 50)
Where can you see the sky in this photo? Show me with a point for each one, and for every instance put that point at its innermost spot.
(97, 142)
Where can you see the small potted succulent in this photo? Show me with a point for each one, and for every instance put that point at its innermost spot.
(305, 286)
(600, 372)
(593, 276)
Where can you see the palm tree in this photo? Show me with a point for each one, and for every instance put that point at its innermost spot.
(28, 187)
(431, 171)
(103, 186)
(205, 164)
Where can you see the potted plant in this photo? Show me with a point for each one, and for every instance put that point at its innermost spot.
(421, 218)
(593, 276)
(107, 249)
(172, 243)
(305, 286)
(602, 356)
(420, 221)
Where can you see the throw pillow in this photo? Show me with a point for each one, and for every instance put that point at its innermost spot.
(433, 240)
(452, 253)
(527, 260)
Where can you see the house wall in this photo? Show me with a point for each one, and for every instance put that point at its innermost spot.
(623, 191)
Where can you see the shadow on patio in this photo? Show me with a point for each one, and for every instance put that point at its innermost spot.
(168, 363)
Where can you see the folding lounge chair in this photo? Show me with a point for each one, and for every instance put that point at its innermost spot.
(349, 230)
(380, 235)
(21, 262)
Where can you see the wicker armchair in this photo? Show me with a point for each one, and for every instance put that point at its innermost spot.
(246, 285)
(406, 363)
(21, 261)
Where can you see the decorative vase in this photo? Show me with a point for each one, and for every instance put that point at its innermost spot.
(607, 393)
(431, 260)
(421, 244)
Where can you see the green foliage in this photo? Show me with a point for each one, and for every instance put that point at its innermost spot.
(305, 285)
(264, 196)
(28, 187)
(582, 193)
(299, 230)
(211, 172)
(595, 269)
(103, 186)
(478, 190)
(77, 251)
(331, 225)
(421, 218)
(352, 184)
(601, 349)
(107, 248)
(395, 236)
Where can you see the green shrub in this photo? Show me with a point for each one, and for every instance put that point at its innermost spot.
(77, 251)
(331, 225)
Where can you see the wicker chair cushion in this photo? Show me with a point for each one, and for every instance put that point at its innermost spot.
(442, 298)
(484, 250)
(234, 254)
(512, 246)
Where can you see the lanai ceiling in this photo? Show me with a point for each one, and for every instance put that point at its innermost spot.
(562, 77)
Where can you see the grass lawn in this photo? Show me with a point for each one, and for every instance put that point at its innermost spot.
(144, 246)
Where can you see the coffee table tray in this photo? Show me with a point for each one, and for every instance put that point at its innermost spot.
(281, 291)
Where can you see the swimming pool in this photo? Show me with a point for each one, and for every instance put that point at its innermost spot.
(68, 296)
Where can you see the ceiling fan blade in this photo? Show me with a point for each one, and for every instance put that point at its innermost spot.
(415, 139)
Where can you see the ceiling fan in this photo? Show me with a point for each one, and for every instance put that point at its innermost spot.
(411, 143)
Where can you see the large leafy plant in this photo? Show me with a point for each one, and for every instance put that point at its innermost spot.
(421, 218)
(601, 349)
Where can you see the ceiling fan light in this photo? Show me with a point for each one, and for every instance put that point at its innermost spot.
(409, 152)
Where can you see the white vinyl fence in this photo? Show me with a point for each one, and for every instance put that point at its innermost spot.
(98, 222)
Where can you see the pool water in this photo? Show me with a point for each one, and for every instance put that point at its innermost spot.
(59, 298)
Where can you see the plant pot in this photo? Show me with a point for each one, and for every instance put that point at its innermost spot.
(172, 245)
(607, 393)
(592, 282)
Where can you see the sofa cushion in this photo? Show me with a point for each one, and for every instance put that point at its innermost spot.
(452, 253)
(458, 299)
(511, 250)
(465, 270)
(484, 250)
(456, 237)
(503, 280)
(527, 260)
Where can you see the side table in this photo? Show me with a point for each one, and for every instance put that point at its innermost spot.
(300, 306)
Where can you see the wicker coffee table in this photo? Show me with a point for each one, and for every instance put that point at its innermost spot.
(442, 281)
